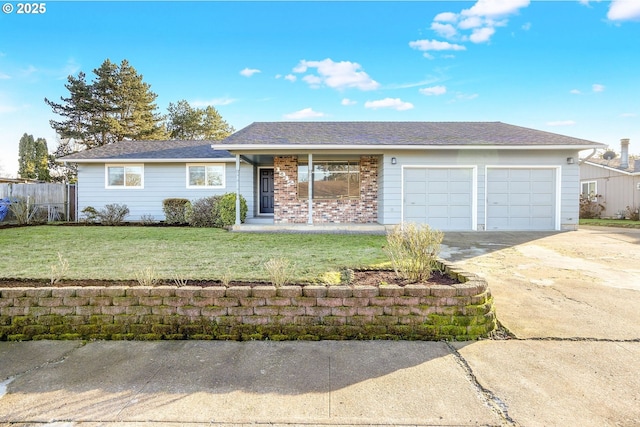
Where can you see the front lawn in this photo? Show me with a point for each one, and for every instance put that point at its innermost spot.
(118, 253)
(623, 223)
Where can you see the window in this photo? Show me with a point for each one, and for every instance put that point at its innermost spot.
(590, 188)
(331, 180)
(205, 175)
(125, 176)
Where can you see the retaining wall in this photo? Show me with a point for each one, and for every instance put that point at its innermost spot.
(462, 311)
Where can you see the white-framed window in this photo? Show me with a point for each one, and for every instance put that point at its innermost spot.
(331, 180)
(124, 176)
(206, 175)
(590, 189)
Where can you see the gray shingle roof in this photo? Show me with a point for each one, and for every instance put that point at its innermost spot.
(634, 164)
(397, 133)
(134, 150)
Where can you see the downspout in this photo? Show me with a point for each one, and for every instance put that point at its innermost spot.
(593, 153)
(237, 189)
(310, 209)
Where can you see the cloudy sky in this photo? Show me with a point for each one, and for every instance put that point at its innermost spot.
(568, 67)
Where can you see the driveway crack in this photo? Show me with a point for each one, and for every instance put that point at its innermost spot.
(497, 405)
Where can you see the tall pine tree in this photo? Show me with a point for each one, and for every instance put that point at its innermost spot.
(33, 158)
(116, 105)
(186, 122)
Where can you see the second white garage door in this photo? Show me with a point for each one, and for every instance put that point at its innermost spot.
(521, 199)
(440, 197)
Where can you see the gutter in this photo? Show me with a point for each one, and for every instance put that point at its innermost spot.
(369, 147)
(593, 153)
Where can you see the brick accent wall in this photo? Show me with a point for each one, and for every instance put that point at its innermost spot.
(463, 311)
(289, 209)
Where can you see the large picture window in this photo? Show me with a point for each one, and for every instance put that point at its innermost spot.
(205, 175)
(331, 180)
(125, 176)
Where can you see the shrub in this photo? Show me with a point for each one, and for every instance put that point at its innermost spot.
(20, 210)
(175, 210)
(590, 206)
(59, 270)
(633, 213)
(226, 210)
(413, 250)
(203, 212)
(113, 214)
(279, 271)
(147, 277)
(90, 214)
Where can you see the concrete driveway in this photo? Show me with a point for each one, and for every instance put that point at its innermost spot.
(578, 284)
(572, 300)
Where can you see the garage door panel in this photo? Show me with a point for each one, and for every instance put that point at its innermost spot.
(521, 198)
(447, 195)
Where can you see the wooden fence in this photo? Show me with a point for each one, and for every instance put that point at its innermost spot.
(57, 200)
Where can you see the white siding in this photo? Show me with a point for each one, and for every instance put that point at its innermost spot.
(391, 195)
(161, 181)
(618, 190)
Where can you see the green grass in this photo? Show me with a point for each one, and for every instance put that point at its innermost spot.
(118, 253)
(623, 223)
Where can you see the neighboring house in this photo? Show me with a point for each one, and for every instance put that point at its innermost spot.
(615, 179)
(452, 175)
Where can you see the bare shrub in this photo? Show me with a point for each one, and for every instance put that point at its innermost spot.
(20, 210)
(279, 271)
(59, 270)
(413, 250)
(147, 277)
(591, 206)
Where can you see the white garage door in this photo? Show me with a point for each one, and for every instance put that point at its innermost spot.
(440, 197)
(521, 199)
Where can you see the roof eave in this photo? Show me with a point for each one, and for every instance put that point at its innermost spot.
(369, 147)
(143, 160)
(612, 169)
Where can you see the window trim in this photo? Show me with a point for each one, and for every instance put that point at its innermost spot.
(124, 186)
(200, 187)
(311, 174)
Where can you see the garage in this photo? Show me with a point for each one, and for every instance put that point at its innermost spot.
(521, 198)
(442, 197)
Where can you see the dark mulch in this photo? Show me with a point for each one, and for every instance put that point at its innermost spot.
(361, 278)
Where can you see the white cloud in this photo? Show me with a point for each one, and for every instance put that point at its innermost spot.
(446, 17)
(336, 75)
(428, 45)
(495, 8)
(433, 90)
(306, 113)
(4, 76)
(466, 97)
(624, 10)
(347, 101)
(561, 123)
(394, 103)
(575, 92)
(5, 108)
(526, 26)
(290, 77)
(444, 30)
(481, 35)
(597, 88)
(248, 72)
(212, 102)
(626, 115)
(470, 22)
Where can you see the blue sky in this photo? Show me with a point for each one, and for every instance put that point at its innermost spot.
(568, 67)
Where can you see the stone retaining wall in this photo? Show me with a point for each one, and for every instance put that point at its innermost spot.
(416, 312)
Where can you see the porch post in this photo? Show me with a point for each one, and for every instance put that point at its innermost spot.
(310, 209)
(237, 189)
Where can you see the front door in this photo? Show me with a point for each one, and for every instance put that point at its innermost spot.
(266, 191)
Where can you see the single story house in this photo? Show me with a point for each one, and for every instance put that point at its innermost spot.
(615, 179)
(451, 175)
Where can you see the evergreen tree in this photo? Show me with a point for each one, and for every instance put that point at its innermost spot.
(186, 122)
(117, 105)
(33, 157)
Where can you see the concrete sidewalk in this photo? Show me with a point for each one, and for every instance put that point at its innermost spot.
(570, 298)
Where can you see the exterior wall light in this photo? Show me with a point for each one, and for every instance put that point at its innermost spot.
(394, 161)
(569, 160)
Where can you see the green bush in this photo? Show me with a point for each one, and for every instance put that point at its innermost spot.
(203, 212)
(112, 214)
(226, 210)
(413, 250)
(175, 210)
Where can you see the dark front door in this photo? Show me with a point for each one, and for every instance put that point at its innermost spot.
(266, 191)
